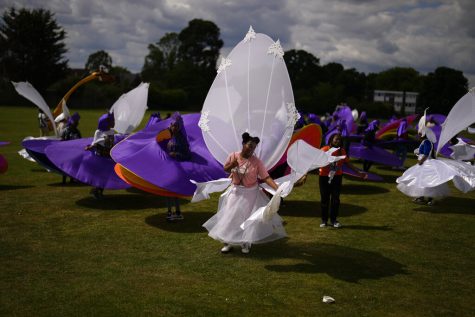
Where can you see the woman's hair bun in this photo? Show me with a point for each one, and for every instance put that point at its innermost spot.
(246, 137)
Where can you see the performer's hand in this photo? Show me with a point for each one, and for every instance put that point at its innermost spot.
(364, 175)
(235, 163)
(88, 147)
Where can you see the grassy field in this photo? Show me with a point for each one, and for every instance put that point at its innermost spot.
(62, 253)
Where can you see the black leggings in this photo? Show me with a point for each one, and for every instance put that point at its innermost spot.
(330, 197)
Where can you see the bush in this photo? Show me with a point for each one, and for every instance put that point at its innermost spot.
(376, 109)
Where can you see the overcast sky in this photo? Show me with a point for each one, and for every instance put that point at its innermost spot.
(367, 35)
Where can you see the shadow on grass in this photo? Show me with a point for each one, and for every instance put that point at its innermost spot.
(450, 205)
(112, 201)
(340, 262)
(192, 223)
(14, 187)
(305, 208)
(68, 184)
(355, 189)
(362, 227)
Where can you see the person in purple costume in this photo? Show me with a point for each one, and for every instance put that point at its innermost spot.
(368, 140)
(401, 148)
(154, 119)
(363, 123)
(178, 147)
(102, 143)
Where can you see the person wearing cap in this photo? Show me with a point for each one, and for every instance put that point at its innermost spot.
(61, 123)
(178, 148)
(368, 140)
(102, 143)
(71, 131)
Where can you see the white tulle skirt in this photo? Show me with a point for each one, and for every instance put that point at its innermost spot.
(430, 179)
(236, 205)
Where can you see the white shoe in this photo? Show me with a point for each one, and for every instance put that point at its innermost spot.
(227, 248)
(337, 225)
(323, 225)
(246, 248)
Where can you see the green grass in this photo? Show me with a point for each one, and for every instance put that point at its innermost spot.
(62, 253)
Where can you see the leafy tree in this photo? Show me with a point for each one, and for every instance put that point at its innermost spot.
(162, 58)
(200, 44)
(353, 84)
(442, 89)
(331, 71)
(32, 47)
(399, 79)
(98, 59)
(304, 69)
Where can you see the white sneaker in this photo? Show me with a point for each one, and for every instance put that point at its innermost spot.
(226, 248)
(337, 225)
(323, 225)
(246, 248)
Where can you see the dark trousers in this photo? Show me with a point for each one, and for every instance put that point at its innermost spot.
(330, 197)
(173, 201)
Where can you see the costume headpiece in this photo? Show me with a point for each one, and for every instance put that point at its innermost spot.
(105, 120)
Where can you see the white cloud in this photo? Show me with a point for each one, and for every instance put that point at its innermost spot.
(367, 35)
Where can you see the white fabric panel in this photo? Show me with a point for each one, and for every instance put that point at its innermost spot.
(462, 151)
(302, 157)
(25, 89)
(130, 108)
(430, 177)
(460, 117)
(250, 93)
(204, 189)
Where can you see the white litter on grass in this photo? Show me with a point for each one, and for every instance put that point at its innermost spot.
(328, 299)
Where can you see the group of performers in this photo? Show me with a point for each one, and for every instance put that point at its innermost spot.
(244, 130)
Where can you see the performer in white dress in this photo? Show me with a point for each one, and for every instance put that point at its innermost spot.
(429, 177)
(241, 199)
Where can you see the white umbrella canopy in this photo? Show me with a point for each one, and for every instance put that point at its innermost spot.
(460, 117)
(251, 93)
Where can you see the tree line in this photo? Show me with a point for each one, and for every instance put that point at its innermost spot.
(181, 67)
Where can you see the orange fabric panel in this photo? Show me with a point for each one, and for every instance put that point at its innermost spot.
(134, 180)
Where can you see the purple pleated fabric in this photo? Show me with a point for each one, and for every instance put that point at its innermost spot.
(374, 154)
(85, 166)
(3, 160)
(36, 148)
(142, 155)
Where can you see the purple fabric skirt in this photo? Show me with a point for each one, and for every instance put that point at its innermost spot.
(36, 148)
(142, 155)
(374, 154)
(85, 166)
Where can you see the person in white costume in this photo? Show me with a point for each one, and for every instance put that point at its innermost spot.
(429, 177)
(252, 93)
(241, 199)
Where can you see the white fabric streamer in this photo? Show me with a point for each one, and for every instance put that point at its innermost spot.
(29, 92)
(130, 108)
(460, 117)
